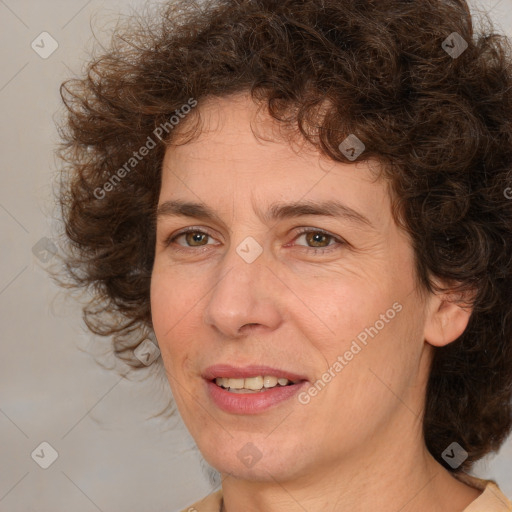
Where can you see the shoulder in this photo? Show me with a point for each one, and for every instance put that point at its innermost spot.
(491, 499)
(210, 503)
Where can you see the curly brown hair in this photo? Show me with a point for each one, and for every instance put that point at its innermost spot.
(428, 94)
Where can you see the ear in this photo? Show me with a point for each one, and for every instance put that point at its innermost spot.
(447, 318)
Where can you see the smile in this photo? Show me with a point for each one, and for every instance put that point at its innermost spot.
(252, 384)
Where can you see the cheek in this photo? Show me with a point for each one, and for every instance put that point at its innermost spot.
(371, 324)
(172, 308)
(337, 310)
(172, 305)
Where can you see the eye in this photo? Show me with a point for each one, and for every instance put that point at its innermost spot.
(316, 239)
(192, 236)
(319, 239)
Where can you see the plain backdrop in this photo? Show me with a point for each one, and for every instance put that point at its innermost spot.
(105, 454)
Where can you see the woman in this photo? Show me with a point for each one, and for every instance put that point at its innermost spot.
(305, 201)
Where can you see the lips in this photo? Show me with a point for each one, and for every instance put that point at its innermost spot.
(243, 401)
(245, 372)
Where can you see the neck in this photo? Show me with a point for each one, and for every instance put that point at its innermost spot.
(386, 477)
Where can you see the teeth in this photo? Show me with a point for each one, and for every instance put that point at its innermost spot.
(269, 381)
(251, 383)
(235, 383)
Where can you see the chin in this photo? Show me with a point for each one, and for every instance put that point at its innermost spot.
(255, 460)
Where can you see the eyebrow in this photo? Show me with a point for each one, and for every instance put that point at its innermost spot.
(276, 211)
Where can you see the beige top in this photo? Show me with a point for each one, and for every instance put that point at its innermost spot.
(491, 500)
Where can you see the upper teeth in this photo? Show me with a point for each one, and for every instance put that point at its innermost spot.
(255, 383)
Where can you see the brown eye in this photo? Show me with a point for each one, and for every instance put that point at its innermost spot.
(318, 242)
(195, 238)
(317, 239)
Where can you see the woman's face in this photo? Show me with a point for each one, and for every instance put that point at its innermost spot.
(246, 294)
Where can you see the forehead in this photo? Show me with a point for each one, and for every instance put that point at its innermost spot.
(243, 154)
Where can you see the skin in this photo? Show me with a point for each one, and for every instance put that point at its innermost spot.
(358, 444)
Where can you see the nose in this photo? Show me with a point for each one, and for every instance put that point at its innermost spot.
(244, 298)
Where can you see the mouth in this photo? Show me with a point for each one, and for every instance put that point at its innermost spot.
(250, 389)
(258, 384)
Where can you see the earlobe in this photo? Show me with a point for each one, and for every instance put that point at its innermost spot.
(446, 320)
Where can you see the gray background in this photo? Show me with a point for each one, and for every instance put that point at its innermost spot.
(110, 456)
